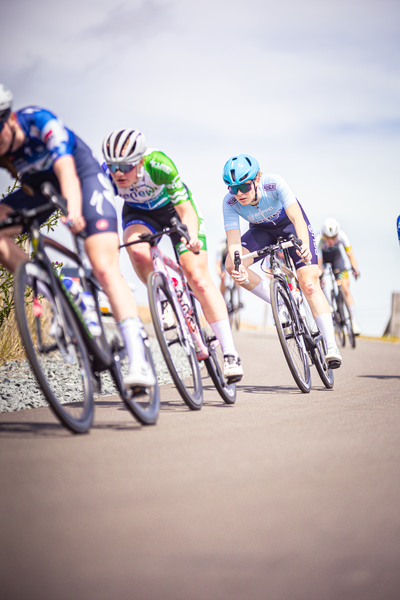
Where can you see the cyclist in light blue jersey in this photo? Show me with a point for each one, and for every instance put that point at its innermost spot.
(36, 147)
(153, 191)
(269, 205)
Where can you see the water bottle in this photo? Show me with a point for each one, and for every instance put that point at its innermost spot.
(74, 288)
(86, 304)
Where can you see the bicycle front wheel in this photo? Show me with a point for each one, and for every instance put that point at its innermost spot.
(175, 343)
(54, 347)
(338, 318)
(292, 341)
(347, 320)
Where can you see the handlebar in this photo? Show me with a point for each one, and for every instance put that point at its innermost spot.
(280, 245)
(177, 227)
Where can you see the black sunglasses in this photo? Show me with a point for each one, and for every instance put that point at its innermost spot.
(124, 168)
(242, 187)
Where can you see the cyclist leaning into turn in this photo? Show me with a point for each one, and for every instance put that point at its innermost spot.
(267, 202)
(149, 183)
(35, 146)
(330, 241)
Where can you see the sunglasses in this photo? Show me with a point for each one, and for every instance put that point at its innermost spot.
(120, 167)
(242, 187)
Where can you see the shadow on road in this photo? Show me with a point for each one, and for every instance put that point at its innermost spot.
(381, 376)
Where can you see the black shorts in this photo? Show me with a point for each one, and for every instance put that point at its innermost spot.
(155, 220)
(97, 195)
(260, 235)
(334, 256)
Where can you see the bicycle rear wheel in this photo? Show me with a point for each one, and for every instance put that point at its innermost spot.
(318, 353)
(175, 343)
(144, 404)
(292, 341)
(215, 363)
(54, 346)
(347, 320)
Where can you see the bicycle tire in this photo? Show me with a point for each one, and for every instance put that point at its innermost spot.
(318, 352)
(348, 321)
(215, 363)
(236, 307)
(337, 318)
(63, 349)
(143, 404)
(291, 340)
(175, 343)
(325, 373)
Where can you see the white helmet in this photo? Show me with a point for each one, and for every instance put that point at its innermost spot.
(330, 227)
(124, 146)
(6, 100)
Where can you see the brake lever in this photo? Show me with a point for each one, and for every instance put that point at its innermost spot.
(183, 230)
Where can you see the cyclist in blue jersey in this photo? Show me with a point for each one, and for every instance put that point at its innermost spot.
(36, 147)
(271, 208)
(149, 183)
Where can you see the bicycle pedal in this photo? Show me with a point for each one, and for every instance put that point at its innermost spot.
(334, 364)
(234, 379)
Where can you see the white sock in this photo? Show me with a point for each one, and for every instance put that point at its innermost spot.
(325, 325)
(223, 333)
(262, 290)
(352, 311)
(133, 341)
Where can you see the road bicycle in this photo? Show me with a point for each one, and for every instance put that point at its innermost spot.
(57, 341)
(233, 301)
(340, 310)
(301, 341)
(185, 337)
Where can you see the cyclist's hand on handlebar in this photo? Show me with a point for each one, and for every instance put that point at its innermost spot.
(194, 245)
(356, 274)
(240, 276)
(75, 221)
(304, 253)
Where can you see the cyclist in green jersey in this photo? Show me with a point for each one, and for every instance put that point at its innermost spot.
(153, 192)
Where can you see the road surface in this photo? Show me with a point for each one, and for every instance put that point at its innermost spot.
(282, 496)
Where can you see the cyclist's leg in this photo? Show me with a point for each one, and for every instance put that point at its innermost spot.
(102, 247)
(213, 305)
(255, 238)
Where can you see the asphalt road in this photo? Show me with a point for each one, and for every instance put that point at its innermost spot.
(281, 496)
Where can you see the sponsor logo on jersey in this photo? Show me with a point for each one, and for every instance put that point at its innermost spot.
(231, 201)
(102, 224)
(160, 166)
(269, 187)
(54, 134)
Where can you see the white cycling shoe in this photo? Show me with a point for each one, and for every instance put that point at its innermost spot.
(233, 370)
(333, 358)
(356, 328)
(139, 374)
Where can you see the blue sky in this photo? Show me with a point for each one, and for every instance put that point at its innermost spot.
(311, 89)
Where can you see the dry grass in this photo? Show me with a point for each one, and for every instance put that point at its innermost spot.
(11, 347)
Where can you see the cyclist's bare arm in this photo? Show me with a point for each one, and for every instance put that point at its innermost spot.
(296, 216)
(188, 216)
(353, 261)
(64, 168)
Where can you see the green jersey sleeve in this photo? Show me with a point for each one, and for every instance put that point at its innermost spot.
(163, 172)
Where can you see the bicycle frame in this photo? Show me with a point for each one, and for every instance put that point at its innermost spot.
(162, 263)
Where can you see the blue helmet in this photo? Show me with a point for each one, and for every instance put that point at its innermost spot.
(240, 168)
